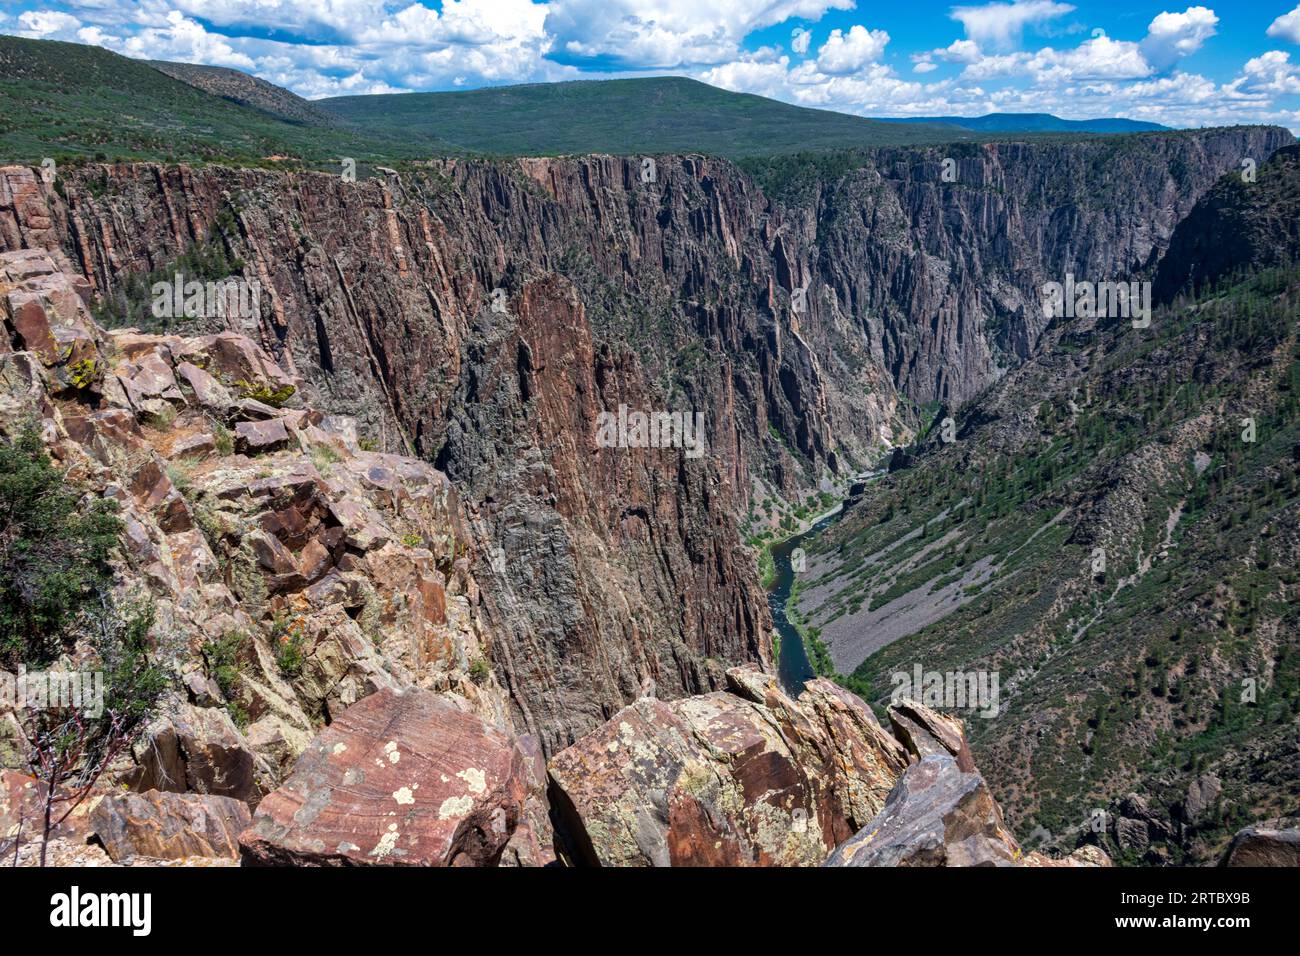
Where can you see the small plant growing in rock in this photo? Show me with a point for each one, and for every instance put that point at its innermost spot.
(287, 643)
(222, 657)
(480, 670)
(323, 457)
(264, 393)
(223, 439)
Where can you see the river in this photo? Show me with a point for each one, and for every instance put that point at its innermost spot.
(793, 668)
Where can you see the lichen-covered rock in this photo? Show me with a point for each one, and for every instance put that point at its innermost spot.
(169, 826)
(937, 815)
(743, 777)
(22, 809)
(399, 779)
(1084, 856)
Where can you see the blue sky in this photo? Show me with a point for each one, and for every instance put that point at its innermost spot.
(1184, 65)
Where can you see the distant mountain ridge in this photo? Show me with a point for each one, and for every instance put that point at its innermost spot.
(117, 107)
(246, 90)
(627, 116)
(1031, 123)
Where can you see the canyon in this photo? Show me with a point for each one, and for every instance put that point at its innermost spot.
(441, 342)
(674, 295)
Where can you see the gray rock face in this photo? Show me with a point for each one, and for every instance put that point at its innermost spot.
(936, 815)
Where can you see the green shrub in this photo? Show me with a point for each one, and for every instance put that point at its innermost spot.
(55, 544)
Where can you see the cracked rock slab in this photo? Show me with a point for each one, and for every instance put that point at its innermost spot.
(400, 779)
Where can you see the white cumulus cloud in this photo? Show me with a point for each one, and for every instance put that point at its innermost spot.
(849, 52)
(1287, 26)
(663, 34)
(1172, 36)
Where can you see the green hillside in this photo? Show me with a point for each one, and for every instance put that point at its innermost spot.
(653, 115)
(70, 100)
(247, 90)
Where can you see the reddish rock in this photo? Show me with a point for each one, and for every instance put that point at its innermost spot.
(314, 560)
(208, 392)
(398, 779)
(50, 319)
(193, 446)
(22, 802)
(154, 491)
(239, 363)
(169, 826)
(924, 732)
(252, 438)
(198, 750)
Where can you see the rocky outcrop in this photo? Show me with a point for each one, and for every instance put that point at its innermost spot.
(22, 809)
(401, 778)
(925, 733)
(938, 815)
(1272, 843)
(743, 777)
(288, 580)
(169, 826)
(754, 777)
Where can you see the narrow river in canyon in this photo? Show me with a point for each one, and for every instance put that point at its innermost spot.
(793, 667)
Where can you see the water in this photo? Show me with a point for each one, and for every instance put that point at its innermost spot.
(793, 668)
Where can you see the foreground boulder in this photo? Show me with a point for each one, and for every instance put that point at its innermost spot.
(744, 777)
(1266, 845)
(938, 815)
(169, 826)
(401, 778)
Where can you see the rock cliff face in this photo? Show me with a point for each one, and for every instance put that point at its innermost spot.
(292, 572)
(806, 328)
